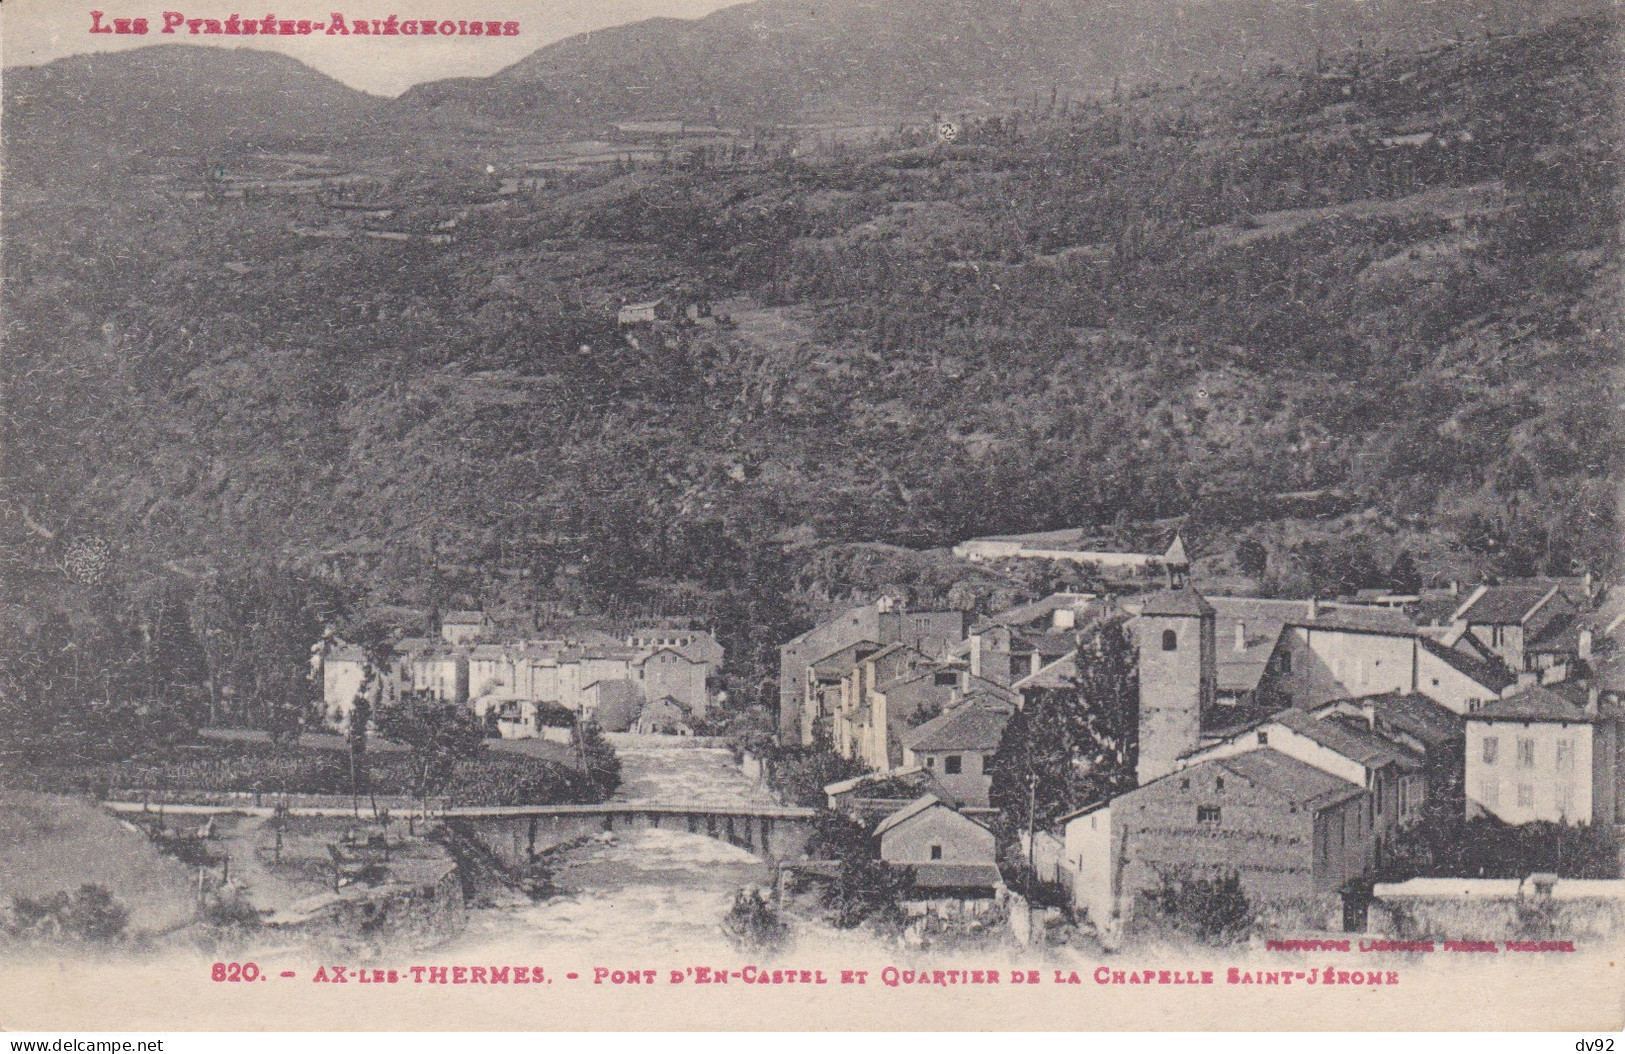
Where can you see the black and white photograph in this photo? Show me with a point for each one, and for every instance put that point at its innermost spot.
(811, 514)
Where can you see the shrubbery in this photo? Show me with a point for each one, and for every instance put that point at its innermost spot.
(247, 768)
(1214, 910)
(752, 925)
(90, 915)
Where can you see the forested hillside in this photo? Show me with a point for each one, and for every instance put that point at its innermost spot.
(787, 60)
(1359, 306)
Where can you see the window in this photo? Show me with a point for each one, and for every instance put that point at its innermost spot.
(1489, 793)
(1565, 799)
(1526, 753)
(1286, 662)
(930, 762)
(1207, 814)
(1263, 738)
(1170, 640)
(1185, 784)
(951, 764)
(1492, 747)
(1495, 636)
(1565, 755)
(936, 852)
(1218, 783)
(947, 679)
(1526, 796)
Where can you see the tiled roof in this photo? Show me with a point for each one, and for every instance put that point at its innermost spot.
(462, 618)
(842, 659)
(955, 876)
(1429, 722)
(1026, 614)
(1261, 619)
(1050, 645)
(908, 812)
(618, 705)
(1505, 605)
(1534, 703)
(1058, 674)
(1358, 619)
(1187, 602)
(1361, 746)
(972, 725)
(407, 645)
(1299, 783)
(1491, 675)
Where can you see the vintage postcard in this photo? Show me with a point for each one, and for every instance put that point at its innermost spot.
(866, 514)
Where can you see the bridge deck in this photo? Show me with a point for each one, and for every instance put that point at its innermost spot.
(769, 812)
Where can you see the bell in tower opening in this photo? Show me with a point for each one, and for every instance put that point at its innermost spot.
(1176, 564)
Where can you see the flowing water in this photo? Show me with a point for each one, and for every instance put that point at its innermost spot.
(637, 891)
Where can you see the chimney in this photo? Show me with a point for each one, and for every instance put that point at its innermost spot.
(1455, 588)
(1368, 709)
(1241, 636)
(1593, 700)
(1585, 644)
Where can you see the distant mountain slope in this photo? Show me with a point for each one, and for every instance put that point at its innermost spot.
(790, 59)
(86, 110)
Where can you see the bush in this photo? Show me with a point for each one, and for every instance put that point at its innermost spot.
(90, 915)
(752, 925)
(1213, 910)
(249, 767)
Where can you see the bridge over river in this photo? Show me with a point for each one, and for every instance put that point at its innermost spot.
(518, 834)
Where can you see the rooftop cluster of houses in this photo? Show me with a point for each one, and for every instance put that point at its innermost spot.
(1285, 741)
(651, 680)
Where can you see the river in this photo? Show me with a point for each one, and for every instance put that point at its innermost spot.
(639, 891)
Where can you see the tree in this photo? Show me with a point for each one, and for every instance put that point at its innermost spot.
(867, 889)
(89, 914)
(1252, 559)
(1070, 747)
(1214, 910)
(752, 925)
(438, 734)
(600, 765)
(1403, 577)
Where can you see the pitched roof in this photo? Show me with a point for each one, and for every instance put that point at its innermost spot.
(1491, 675)
(618, 705)
(1261, 621)
(1026, 614)
(1058, 674)
(463, 618)
(1358, 619)
(1050, 645)
(936, 876)
(1176, 553)
(1187, 602)
(972, 725)
(1534, 703)
(908, 812)
(344, 653)
(1298, 783)
(1506, 605)
(843, 658)
(1429, 722)
(1361, 746)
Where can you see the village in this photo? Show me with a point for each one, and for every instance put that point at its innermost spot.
(1289, 754)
